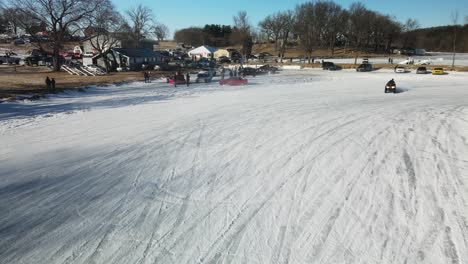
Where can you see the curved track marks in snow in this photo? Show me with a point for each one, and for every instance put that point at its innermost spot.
(301, 167)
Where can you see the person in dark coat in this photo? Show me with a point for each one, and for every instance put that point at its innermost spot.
(187, 78)
(47, 82)
(52, 82)
(175, 80)
(145, 75)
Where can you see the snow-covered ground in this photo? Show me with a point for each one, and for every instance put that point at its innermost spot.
(301, 167)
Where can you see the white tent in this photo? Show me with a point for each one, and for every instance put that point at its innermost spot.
(202, 52)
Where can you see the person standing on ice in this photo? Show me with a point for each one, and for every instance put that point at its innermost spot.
(187, 78)
(52, 82)
(175, 80)
(47, 82)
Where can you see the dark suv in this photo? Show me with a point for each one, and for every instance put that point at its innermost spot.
(328, 65)
(365, 67)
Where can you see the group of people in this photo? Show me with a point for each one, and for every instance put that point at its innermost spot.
(390, 60)
(232, 73)
(180, 77)
(147, 76)
(50, 84)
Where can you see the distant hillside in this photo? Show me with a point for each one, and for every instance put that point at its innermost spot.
(438, 38)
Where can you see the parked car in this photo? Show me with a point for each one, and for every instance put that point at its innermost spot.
(224, 59)
(9, 60)
(19, 41)
(267, 69)
(233, 81)
(365, 67)
(437, 71)
(248, 71)
(328, 65)
(42, 60)
(400, 69)
(204, 76)
(390, 86)
(263, 55)
(236, 57)
(421, 70)
(252, 57)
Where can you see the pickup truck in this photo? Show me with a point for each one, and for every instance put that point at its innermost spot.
(9, 60)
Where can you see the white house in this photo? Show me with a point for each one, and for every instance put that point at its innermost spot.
(202, 52)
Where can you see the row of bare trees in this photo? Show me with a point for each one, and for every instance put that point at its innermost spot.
(326, 24)
(65, 18)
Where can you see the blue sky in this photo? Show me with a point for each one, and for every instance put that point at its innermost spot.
(177, 14)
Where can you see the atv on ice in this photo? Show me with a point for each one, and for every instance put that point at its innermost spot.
(390, 86)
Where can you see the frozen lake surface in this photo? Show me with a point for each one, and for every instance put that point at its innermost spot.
(300, 167)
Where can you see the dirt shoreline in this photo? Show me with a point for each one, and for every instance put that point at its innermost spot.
(24, 84)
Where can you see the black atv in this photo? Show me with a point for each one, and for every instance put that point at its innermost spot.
(390, 86)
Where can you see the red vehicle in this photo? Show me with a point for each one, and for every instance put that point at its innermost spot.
(234, 81)
(180, 80)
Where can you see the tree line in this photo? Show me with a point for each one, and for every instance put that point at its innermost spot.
(440, 38)
(62, 19)
(311, 25)
(325, 24)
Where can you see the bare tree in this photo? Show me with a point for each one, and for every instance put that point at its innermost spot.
(271, 25)
(241, 22)
(358, 26)
(161, 31)
(454, 19)
(408, 26)
(141, 18)
(286, 20)
(110, 30)
(336, 21)
(266, 28)
(14, 17)
(61, 18)
(242, 32)
(305, 27)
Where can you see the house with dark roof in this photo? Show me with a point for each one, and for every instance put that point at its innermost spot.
(134, 58)
(129, 58)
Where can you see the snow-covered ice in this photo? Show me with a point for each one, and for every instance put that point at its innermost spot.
(300, 167)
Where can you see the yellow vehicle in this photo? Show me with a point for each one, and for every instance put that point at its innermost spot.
(437, 71)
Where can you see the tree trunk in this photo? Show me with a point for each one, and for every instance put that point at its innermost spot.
(106, 62)
(55, 58)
